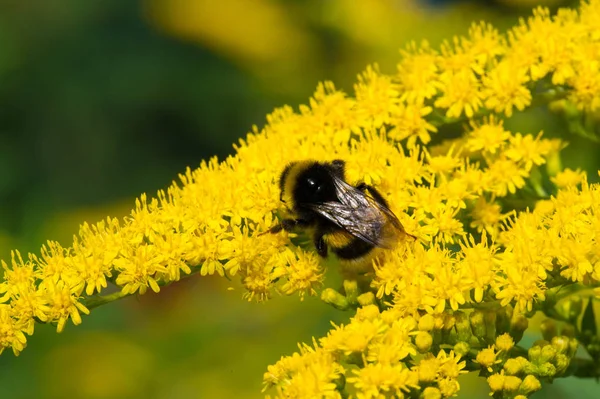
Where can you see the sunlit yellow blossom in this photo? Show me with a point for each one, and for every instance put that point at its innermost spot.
(487, 358)
(376, 97)
(586, 82)
(506, 177)
(444, 164)
(488, 137)
(417, 73)
(478, 262)
(393, 344)
(20, 277)
(304, 273)
(485, 43)
(460, 94)
(30, 305)
(486, 216)
(457, 56)
(573, 257)
(137, 268)
(52, 265)
(446, 224)
(451, 365)
(505, 89)
(568, 177)
(63, 304)
(11, 332)
(379, 380)
(411, 124)
(307, 374)
(521, 286)
(354, 337)
(505, 342)
(528, 150)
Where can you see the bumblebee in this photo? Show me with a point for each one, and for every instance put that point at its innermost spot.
(352, 221)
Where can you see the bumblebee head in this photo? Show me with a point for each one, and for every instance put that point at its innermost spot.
(310, 182)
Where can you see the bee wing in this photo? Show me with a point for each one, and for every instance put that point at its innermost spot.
(358, 213)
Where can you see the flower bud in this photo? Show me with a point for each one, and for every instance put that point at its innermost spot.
(548, 328)
(562, 363)
(368, 298)
(512, 383)
(496, 382)
(334, 298)
(548, 354)
(449, 321)
(368, 312)
(490, 326)
(574, 306)
(428, 369)
(558, 106)
(505, 342)
(503, 319)
(561, 344)
(438, 321)
(477, 319)
(423, 341)
(573, 345)
(516, 365)
(547, 370)
(351, 289)
(530, 368)
(462, 348)
(426, 322)
(448, 387)
(534, 354)
(448, 336)
(463, 327)
(486, 358)
(431, 393)
(530, 385)
(518, 325)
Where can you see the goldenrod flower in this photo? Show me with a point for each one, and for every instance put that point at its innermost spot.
(378, 380)
(487, 358)
(505, 88)
(11, 330)
(568, 177)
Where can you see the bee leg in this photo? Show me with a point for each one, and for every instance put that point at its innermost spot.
(321, 246)
(364, 187)
(288, 225)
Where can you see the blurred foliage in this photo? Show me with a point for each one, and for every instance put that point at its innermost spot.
(101, 101)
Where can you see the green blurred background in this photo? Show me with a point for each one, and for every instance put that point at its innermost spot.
(103, 100)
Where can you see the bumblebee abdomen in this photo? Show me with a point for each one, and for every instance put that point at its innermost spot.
(338, 239)
(354, 249)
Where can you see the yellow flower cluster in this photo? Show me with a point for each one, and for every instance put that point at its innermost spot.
(435, 307)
